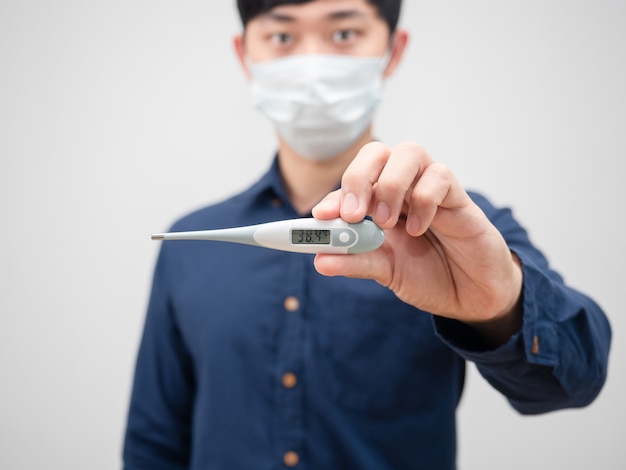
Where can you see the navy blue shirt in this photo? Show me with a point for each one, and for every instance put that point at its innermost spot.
(252, 360)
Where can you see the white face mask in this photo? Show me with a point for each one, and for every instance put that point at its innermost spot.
(319, 104)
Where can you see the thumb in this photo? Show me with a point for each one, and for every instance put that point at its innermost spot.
(372, 265)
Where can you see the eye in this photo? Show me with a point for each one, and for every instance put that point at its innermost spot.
(281, 39)
(343, 36)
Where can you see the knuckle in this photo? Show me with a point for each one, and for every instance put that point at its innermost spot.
(375, 147)
(421, 198)
(432, 186)
(410, 147)
(390, 186)
(355, 178)
(363, 170)
(440, 171)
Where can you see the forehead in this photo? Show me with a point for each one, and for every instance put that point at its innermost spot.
(320, 11)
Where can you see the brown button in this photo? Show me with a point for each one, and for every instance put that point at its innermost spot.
(277, 202)
(291, 303)
(290, 380)
(291, 458)
(535, 349)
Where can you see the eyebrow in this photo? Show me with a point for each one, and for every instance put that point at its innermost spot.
(334, 16)
(346, 14)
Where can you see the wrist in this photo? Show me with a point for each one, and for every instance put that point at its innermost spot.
(500, 328)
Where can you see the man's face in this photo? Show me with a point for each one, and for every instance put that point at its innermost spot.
(350, 27)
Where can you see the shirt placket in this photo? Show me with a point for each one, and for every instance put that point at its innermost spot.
(289, 371)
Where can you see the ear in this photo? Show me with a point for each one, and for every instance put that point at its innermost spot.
(238, 43)
(399, 42)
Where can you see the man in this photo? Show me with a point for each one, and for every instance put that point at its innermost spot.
(253, 358)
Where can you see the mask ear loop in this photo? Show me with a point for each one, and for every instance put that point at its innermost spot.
(248, 63)
(386, 59)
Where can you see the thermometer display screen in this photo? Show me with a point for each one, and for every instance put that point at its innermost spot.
(310, 237)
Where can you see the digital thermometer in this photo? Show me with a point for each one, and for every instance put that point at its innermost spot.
(297, 235)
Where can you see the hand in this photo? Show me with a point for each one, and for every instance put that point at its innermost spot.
(441, 254)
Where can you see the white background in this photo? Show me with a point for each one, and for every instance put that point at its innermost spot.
(117, 117)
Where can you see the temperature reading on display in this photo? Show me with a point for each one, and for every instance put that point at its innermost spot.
(310, 237)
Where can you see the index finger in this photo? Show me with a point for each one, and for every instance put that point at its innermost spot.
(357, 183)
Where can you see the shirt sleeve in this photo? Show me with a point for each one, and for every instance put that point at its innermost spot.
(158, 432)
(559, 358)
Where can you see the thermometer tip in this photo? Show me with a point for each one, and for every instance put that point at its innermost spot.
(158, 237)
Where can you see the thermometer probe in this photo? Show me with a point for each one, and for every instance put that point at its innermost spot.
(307, 235)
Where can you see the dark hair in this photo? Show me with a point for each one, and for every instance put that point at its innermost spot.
(389, 10)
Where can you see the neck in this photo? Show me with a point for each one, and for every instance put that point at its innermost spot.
(309, 181)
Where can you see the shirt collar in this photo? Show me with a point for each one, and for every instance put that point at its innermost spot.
(269, 187)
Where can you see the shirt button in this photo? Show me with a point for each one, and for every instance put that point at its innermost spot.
(291, 303)
(290, 380)
(535, 348)
(291, 458)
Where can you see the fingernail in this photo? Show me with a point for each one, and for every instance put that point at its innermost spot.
(350, 203)
(413, 224)
(382, 213)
